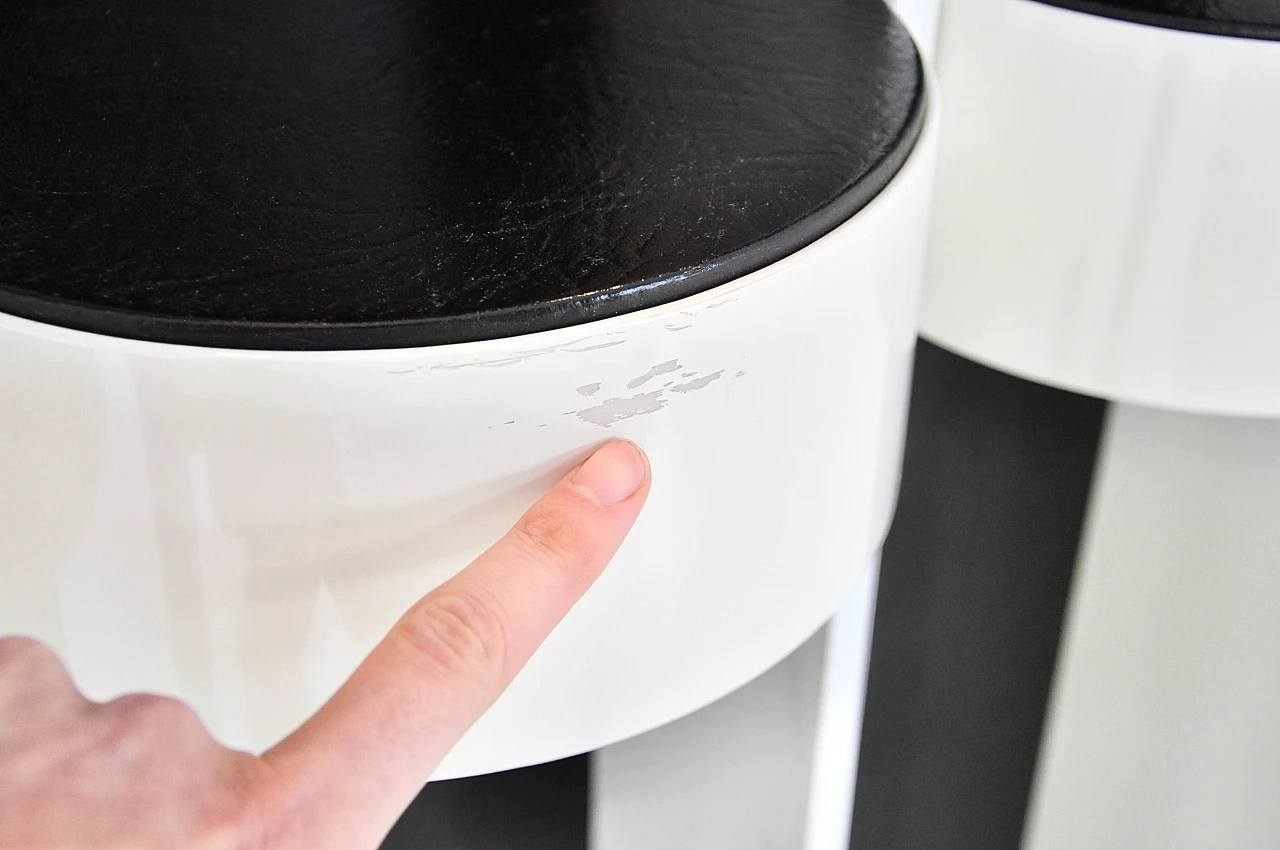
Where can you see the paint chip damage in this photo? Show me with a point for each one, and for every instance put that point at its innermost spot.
(615, 410)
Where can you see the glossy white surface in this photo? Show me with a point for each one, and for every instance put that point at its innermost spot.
(731, 776)
(1164, 728)
(238, 528)
(921, 19)
(1108, 207)
(838, 733)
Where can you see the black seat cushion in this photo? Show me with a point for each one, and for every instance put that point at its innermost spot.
(1239, 18)
(385, 173)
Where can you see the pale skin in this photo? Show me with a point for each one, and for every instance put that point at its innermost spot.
(142, 772)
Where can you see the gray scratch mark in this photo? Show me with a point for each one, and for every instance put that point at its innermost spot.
(589, 389)
(692, 312)
(505, 361)
(687, 374)
(739, 374)
(512, 422)
(402, 371)
(660, 369)
(616, 409)
(715, 305)
(594, 347)
(521, 356)
(698, 384)
(677, 327)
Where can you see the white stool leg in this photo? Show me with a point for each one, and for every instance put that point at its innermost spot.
(731, 776)
(769, 767)
(839, 723)
(1163, 733)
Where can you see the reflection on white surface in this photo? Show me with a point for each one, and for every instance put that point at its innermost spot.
(51, 443)
(330, 652)
(115, 619)
(222, 584)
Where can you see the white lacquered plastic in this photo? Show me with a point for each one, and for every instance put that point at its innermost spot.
(1107, 215)
(238, 528)
(921, 19)
(1162, 731)
(769, 766)
(837, 737)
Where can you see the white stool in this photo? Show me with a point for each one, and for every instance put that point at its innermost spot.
(304, 308)
(1105, 222)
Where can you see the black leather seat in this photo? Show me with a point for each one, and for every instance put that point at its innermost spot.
(1242, 18)
(385, 173)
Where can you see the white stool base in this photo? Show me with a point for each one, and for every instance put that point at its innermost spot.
(769, 767)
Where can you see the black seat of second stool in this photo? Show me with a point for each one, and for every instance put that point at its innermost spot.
(1239, 18)
(382, 173)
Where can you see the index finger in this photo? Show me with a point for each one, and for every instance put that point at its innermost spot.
(350, 770)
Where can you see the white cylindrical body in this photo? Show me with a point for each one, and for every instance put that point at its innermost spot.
(1107, 216)
(238, 528)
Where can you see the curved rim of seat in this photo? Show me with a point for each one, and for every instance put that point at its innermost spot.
(1162, 20)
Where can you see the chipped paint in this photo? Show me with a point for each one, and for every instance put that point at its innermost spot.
(616, 409)
(593, 347)
(589, 389)
(660, 369)
(715, 305)
(697, 384)
(521, 356)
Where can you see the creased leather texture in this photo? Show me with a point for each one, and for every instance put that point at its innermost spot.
(1238, 18)
(384, 173)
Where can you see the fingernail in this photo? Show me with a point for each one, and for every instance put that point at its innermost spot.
(612, 474)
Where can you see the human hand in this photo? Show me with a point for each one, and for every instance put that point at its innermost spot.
(142, 772)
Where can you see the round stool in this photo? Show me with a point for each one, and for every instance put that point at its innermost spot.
(1105, 214)
(1103, 244)
(303, 305)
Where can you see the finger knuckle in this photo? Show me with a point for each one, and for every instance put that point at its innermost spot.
(136, 718)
(23, 653)
(31, 671)
(457, 632)
(552, 538)
(156, 710)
